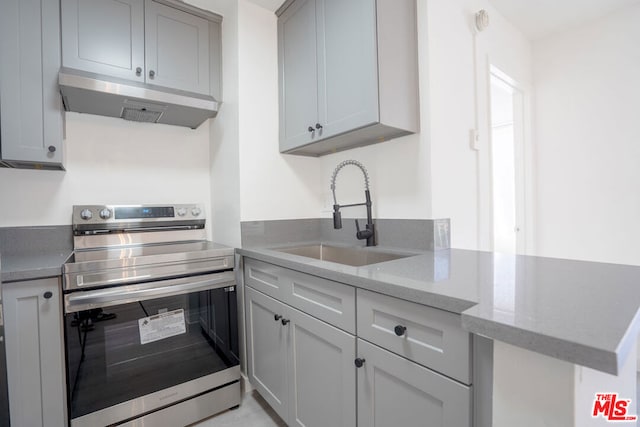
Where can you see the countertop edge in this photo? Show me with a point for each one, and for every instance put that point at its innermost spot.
(439, 301)
(23, 276)
(608, 361)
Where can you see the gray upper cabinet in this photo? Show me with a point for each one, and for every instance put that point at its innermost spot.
(177, 48)
(31, 134)
(104, 37)
(298, 74)
(143, 41)
(348, 73)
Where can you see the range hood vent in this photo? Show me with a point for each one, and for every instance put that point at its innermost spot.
(96, 94)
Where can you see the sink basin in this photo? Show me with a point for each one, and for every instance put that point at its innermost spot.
(343, 255)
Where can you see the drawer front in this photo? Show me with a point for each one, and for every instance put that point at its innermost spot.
(333, 302)
(267, 278)
(434, 338)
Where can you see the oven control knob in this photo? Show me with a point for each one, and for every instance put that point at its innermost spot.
(195, 211)
(105, 213)
(86, 214)
(182, 211)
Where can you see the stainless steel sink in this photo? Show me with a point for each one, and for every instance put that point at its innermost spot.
(343, 255)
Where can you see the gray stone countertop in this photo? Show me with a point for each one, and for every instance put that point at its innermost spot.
(34, 252)
(585, 313)
(18, 267)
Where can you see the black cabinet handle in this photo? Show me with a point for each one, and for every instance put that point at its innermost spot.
(138, 71)
(359, 362)
(400, 330)
(318, 126)
(48, 294)
(51, 149)
(285, 321)
(310, 129)
(277, 317)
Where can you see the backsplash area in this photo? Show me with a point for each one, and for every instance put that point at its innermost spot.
(417, 234)
(34, 240)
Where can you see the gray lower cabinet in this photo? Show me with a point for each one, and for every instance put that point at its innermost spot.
(31, 125)
(302, 366)
(394, 391)
(348, 73)
(35, 354)
(301, 349)
(162, 43)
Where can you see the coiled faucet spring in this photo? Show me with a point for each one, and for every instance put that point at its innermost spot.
(340, 166)
(369, 232)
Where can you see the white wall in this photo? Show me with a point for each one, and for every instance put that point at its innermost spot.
(272, 185)
(588, 100)
(225, 157)
(110, 161)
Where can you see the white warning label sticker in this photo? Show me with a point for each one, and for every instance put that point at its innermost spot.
(161, 326)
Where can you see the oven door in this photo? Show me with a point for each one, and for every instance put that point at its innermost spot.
(135, 349)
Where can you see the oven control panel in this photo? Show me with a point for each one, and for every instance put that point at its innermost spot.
(115, 214)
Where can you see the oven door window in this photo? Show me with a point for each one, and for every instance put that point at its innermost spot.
(119, 353)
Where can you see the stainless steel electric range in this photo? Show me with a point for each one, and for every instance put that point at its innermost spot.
(151, 325)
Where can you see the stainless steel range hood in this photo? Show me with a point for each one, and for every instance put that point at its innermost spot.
(95, 94)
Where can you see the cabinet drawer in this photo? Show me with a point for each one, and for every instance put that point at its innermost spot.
(324, 299)
(433, 337)
(267, 278)
(333, 302)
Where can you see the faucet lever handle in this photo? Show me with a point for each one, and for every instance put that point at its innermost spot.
(357, 227)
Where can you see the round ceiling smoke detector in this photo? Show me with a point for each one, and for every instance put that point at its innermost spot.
(482, 20)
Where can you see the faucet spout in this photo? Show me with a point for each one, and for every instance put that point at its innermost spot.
(369, 232)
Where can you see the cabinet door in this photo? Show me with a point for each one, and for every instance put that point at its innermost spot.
(176, 49)
(104, 37)
(347, 64)
(393, 391)
(30, 106)
(323, 377)
(298, 76)
(34, 347)
(267, 349)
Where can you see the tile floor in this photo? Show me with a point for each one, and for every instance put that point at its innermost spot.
(253, 412)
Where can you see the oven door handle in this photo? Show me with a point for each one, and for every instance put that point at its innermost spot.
(86, 300)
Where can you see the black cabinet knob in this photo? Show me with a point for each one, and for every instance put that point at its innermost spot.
(48, 294)
(318, 126)
(400, 330)
(52, 149)
(310, 129)
(359, 362)
(277, 317)
(285, 321)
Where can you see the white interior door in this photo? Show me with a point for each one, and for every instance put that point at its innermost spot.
(507, 146)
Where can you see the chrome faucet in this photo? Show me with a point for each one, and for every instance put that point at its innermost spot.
(369, 232)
